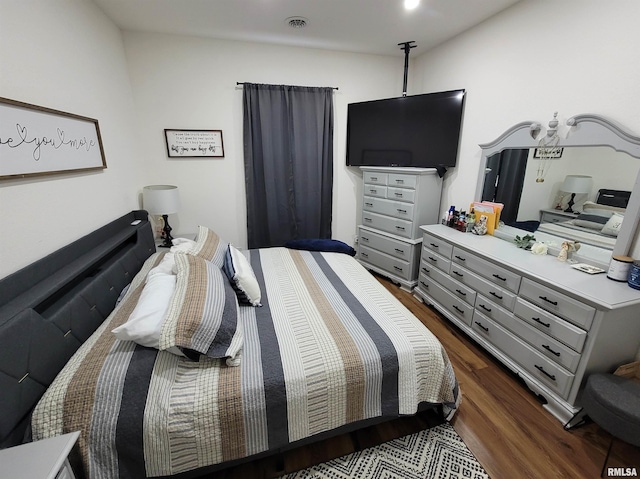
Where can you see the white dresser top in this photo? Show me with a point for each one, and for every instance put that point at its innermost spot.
(596, 290)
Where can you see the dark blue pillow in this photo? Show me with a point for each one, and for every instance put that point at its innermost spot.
(331, 245)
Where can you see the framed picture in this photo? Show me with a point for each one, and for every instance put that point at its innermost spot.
(548, 153)
(35, 140)
(194, 143)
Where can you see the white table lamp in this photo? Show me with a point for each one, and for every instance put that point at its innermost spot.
(162, 200)
(576, 184)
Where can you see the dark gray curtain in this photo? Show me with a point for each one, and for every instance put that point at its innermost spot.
(288, 162)
(503, 184)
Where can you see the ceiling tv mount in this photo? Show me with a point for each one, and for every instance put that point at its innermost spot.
(406, 46)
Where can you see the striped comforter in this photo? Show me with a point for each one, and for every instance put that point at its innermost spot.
(329, 346)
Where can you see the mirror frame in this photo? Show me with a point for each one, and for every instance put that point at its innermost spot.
(584, 130)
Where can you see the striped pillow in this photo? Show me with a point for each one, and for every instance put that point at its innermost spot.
(209, 246)
(203, 312)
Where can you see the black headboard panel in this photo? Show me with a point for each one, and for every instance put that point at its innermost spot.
(49, 308)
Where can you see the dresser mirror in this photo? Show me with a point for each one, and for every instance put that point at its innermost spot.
(587, 145)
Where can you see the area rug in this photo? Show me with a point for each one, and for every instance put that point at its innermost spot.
(430, 454)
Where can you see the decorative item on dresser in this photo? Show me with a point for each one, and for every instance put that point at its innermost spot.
(396, 201)
(547, 322)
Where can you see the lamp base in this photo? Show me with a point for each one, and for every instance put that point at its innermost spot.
(570, 204)
(168, 239)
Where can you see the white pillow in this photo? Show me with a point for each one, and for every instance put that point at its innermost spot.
(613, 225)
(242, 278)
(145, 323)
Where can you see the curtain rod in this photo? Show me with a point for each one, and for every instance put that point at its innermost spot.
(242, 83)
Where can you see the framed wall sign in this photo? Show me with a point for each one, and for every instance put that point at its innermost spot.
(35, 140)
(548, 153)
(194, 143)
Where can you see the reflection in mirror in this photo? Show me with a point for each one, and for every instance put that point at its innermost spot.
(530, 185)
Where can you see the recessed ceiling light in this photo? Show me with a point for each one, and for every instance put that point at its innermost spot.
(296, 22)
(411, 4)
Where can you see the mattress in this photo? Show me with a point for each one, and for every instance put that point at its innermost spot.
(329, 346)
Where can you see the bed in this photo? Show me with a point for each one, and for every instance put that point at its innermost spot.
(321, 347)
(598, 223)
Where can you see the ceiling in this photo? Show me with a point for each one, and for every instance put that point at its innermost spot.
(361, 26)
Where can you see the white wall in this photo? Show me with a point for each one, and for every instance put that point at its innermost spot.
(65, 55)
(182, 82)
(537, 57)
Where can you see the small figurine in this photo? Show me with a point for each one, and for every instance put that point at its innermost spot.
(567, 248)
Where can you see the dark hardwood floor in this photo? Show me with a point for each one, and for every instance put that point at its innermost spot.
(499, 419)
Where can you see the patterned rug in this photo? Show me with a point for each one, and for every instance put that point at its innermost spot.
(430, 454)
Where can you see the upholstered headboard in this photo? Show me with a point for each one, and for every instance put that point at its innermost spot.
(49, 308)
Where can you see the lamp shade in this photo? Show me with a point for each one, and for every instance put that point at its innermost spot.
(577, 184)
(161, 199)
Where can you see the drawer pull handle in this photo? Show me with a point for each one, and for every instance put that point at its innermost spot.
(364, 238)
(374, 178)
(398, 268)
(400, 228)
(426, 270)
(458, 274)
(551, 350)
(461, 258)
(488, 310)
(541, 369)
(434, 245)
(461, 292)
(399, 181)
(369, 204)
(399, 195)
(373, 191)
(424, 284)
(544, 298)
(483, 327)
(539, 321)
(364, 254)
(493, 293)
(398, 250)
(497, 276)
(401, 211)
(458, 309)
(435, 260)
(368, 219)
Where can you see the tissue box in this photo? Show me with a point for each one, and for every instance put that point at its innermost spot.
(631, 371)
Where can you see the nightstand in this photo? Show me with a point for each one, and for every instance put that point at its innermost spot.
(45, 459)
(555, 216)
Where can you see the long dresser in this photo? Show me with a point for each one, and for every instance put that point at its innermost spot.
(549, 323)
(396, 201)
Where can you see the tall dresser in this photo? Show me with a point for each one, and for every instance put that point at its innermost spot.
(549, 323)
(396, 201)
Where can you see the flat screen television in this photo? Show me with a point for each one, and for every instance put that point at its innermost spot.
(414, 131)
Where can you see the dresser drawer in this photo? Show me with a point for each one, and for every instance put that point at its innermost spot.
(497, 294)
(435, 244)
(546, 345)
(402, 181)
(545, 370)
(559, 304)
(494, 273)
(442, 296)
(399, 249)
(398, 267)
(434, 259)
(375, 190)
(375, 178)
(550, 324)
(391, 225)
(456, 288)
(401, 194)
(383, 206)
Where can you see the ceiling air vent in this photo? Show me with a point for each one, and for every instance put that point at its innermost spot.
(296, 22)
